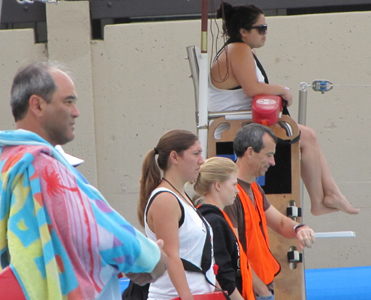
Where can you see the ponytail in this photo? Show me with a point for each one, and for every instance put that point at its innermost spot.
(151, 177)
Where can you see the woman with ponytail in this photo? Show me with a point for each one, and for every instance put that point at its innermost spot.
(167, 213)
(217, 183)
(236, 76)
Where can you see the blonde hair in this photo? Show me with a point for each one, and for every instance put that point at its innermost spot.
(215, 169)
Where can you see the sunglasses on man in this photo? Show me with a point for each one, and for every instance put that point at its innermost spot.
(262, 29)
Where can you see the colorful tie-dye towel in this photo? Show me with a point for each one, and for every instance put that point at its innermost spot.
(58, 234)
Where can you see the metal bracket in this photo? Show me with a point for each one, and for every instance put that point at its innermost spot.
(318, 86)
(322, 86)
(292, 211)
(294, 257)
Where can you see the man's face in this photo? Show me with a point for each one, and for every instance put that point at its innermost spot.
(265, 158)
(59, 115)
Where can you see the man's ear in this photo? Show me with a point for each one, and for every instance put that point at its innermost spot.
(36, 104)
(249, 152)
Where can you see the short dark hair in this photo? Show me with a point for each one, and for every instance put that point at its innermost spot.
(33, 79)
(251, 135)
(237, 17)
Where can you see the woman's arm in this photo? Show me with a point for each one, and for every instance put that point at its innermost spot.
(163, 219)
(243, 68)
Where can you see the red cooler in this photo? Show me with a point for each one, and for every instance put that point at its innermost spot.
(266, 109)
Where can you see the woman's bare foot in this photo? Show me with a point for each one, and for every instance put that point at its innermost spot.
(339, 202)
(321, 209)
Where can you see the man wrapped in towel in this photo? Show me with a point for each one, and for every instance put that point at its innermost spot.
(59, 236)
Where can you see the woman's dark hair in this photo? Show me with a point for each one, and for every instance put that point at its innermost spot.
(175, 140)
(237, 17)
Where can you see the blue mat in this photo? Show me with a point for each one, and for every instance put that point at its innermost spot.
(340, 283)
(329, 284)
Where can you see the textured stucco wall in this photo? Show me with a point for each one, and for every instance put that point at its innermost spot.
(17, 47)
(69, 42)
(134, 85)
(141, 90)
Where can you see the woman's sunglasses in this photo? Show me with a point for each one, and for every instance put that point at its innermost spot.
(262, 29)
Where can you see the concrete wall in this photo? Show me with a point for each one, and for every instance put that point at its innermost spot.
(134, 85)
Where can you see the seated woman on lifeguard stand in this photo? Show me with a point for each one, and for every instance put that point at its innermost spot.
(237, 76)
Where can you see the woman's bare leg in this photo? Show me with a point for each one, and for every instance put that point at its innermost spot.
(324, 193)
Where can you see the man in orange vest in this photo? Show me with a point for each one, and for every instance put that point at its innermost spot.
(251, 213)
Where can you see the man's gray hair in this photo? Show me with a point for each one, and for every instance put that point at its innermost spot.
(251, 135)
(33, 79)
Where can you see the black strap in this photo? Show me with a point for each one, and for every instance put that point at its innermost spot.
(260, 67)
(181, 220)
(207, 251)
(289, 142)
(188, 266)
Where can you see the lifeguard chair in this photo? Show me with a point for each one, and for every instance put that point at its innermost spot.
(281, 183)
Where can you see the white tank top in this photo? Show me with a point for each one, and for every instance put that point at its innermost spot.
(229, 100)
(192, 234)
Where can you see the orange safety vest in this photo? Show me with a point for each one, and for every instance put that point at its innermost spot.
(258, 253)
(246, 274)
